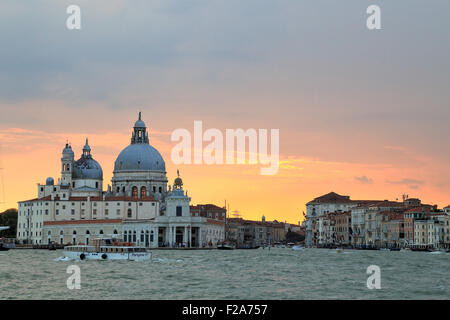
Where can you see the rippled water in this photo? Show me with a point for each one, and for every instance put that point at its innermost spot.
(238, 274)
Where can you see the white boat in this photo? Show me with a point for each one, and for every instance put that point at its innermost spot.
(297, 248)
(107, 249)
(339, 250)
(385, 249)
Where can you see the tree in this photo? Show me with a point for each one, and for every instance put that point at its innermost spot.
(9, 218)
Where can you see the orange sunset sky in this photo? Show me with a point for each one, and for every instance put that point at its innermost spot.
(361, 113)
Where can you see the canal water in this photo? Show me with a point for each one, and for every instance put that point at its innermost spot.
(239, 274)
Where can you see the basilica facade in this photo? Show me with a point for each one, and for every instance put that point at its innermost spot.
(138, 206)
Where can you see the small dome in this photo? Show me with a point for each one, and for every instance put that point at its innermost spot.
(49, 181)
(140, 123)
(68, 150)
(87, 168)
(178, 183)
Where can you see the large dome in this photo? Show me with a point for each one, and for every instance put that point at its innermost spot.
(87, 168)
(139, 157)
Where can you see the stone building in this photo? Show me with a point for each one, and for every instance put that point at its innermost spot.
(138, 207)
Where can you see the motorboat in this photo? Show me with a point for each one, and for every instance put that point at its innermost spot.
(107, 249)
(226, 246)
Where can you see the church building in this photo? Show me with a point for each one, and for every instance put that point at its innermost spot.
(137, 207)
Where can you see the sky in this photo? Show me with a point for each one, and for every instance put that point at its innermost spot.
(361, 112)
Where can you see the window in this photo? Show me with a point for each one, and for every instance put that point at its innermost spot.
(73, 211)
(160, 189)
(106, 212)
(129, 213)
(118, 212)
(143, 192)
(96, 185)
(95, 211)
(179, 211)
(57, 211)
(134, 192)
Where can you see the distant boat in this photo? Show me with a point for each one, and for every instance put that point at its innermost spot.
(52, 246)
(298, 247)
(339, 250)
(226, 246)
(2, 247)
(384, 249)
(395, 249)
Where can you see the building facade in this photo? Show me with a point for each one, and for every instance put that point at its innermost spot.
(138, 207)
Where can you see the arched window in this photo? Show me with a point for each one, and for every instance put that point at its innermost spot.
(61, 233)
(68, 167)
(125, 236)
(88, 232)
(134, 192)
(160, 189)
(74, 232)
(115, 231)
(143, 192)
(142, 236)
(134, 236)
(101, 232)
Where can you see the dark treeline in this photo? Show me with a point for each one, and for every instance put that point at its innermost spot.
(9, 218)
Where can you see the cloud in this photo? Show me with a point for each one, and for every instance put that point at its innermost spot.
(406, 181)
(412, 183)
(364, 180)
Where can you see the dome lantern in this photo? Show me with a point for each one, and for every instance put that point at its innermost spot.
(86, 150)
(139, 135)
